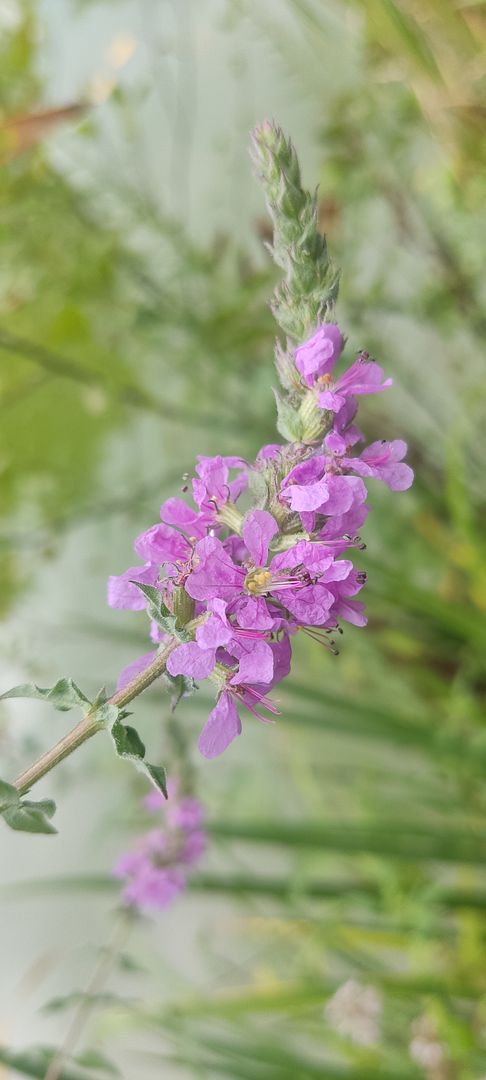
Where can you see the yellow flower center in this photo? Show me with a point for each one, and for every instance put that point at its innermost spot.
(257, 582)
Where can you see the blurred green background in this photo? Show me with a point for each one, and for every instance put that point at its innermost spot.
(348, 843)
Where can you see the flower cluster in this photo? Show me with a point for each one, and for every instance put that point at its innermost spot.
(242, 582)
(156, 871)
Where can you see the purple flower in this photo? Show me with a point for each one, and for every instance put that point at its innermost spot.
(257, 579)
(161, 544)
(363, 377)
(384, 460)
(318, 355)
(156, 872)
(121, 592)
(213, 488)
(222, 726)
(310, 487)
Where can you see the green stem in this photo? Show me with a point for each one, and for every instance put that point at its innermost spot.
(88, 1002)
(89, 725)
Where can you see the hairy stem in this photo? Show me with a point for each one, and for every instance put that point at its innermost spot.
(87, 1004)
(89, 725)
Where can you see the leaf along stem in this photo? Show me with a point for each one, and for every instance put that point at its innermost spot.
(89, 725)
(87, 1005)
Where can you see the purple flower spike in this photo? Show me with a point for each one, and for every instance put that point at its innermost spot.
(240, 602)
(318, 355)
(157, 870)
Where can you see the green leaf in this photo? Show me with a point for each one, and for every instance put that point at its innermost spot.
(178, 686)
(159, 776)
(128, 744)
(289, 423)
(33, 817)
(258, 488)
(64, 695)
(159, 612)
(93, 1059)
(9, 795)
(35, 1061)
(24, 815)
(127, 741)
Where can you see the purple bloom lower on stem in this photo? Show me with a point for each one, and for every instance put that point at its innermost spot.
(157, 870)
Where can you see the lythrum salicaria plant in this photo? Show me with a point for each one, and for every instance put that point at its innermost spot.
(226, 589)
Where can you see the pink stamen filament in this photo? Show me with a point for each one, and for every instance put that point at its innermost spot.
(241, 693)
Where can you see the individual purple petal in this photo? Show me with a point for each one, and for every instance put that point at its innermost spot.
(271, 450)
(345, 525)
(331, 401)
(384, 461)
(189, 659)
(318, 355)
(310, 606)
(251, 613)
(213, 483)
(282, 657)
(123, 594)
(255, 662)
(135, 668)
(222, 726)
(259, 528)
(307, 497)
(307, 472)
(216, 575)
(194, 523)
(343, 493)
(351, 610)
(213, 633)
(363, 377)
(237, 486)
(161, 544)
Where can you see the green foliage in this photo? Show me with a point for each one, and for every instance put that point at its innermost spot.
(128, 744)
(64, 695)
(159, 612)
(35, 1061)
(24, 815)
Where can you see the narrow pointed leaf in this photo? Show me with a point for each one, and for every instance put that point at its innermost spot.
(128, 744)
(63, 695)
